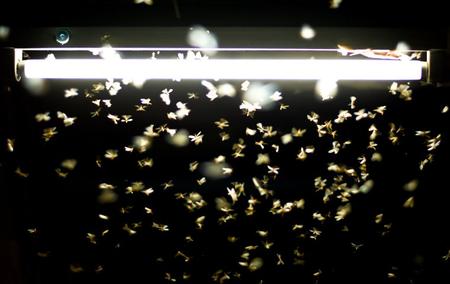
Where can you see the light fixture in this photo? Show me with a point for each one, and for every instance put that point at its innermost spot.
(265, 54)
(263, 64)
(229, 69)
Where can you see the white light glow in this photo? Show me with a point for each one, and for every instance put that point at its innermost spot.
(307, 32)
(228, 69)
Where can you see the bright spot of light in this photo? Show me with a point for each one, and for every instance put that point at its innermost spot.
(179, 139)
(36, 87)
(4, 32)
(260, 94)
(226, 89)
(307, 32)
(107, 52)
(142, 143)
(137, 82)
(326, 88)
(255, 264)
(334, 4)
(402, 47)
(107, 196)
(366, 187)
(147, 2)
(199, 36)
(50, 56)
(213, 170)
(411, 186)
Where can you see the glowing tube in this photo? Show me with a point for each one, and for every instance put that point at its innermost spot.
(229, 69)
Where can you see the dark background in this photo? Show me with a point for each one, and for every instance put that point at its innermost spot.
(400, 13)
(64, 210)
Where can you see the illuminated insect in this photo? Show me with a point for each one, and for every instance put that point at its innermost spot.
(212, 90)
(249, 108)
(48, 133)
(126, 118)
(222, 123)
(197, 138)
(114, 118)
(165, 95)
(111, 154)
(141, 107)
(42, 117)
(376, 53)
(146, 101)
(71, 93)
(113, 87)
(276, 96)
(96, 113)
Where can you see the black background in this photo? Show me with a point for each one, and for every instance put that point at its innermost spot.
(400, 13)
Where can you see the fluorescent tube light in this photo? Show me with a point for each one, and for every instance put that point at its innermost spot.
(229, 69)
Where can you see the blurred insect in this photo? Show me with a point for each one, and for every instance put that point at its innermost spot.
(111, 154)
(42, 117)
(48, 133)
(376, 53)
(146, 101)
(113, 87)
(71, 93)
